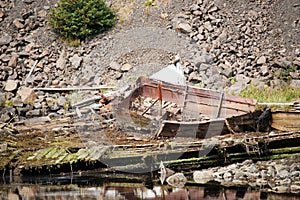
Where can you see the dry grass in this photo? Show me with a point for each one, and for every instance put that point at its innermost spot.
(285, 94)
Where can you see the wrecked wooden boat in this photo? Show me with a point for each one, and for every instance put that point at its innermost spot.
(198, 113)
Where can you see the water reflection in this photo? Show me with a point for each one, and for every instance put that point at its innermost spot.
(91, 189)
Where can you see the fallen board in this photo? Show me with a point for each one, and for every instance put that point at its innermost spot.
(286, 121)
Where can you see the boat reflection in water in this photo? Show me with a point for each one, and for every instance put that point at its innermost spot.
(87, 189)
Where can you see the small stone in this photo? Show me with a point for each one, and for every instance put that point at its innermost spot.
(194, 77)
(54, 107)
(227, 176)
(2, 13)
(184, 28)
(28, 1)
(2, 99)
(203, 176)
(17, 102)
(281, 189)
(278, 84)
(118, 75)
(126, 67)
(55, 82)
(242, 79)
(11, 85)
(177, 180)
(61, 101)
(283, 174)
(4, 58)
(213, 9)
(27, 94)
(295, 62)
(37, 105)
(208, 26)
(200, 36)
(295, 75)
(295, 83)
(13, 60)
(42, 13)
(76, 61)
(115, 66)
(17, 23)
(61, 62)
(4, 40)
(261, 60)
(33, 113)
(295, 188)
(264, 70)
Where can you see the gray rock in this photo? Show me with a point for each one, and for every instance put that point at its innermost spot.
(4, 58)
(281, 189)
(277, 84)
(208, 26)
(61, 101)
(76, 61)
(236, 88)
(177, 180)
(203, 176)
(27, 94)
(33, 113)
(295, 62)
(184, 27)
(61, 62)
(18, 24)
(295, 75)
(261, 60)
(126, 67)
(37, 105)
(194, 77)
(242, 79)
(264, 70)
(13, 60)
(4, 40)
(227, 176)
(295, 83)
(213, 9)
(11, 85)
(5, 117)
(54, 107)
(118, 75)
(283, 174)
(17, 102)
(115, 66)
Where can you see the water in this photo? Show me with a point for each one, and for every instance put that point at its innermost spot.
(112, 187)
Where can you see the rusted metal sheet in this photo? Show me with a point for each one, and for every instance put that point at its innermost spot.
(196, 100)
(286, 121)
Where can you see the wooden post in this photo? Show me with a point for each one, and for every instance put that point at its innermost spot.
(160, 98)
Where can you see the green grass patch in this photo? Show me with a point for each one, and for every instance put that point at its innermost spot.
(266, 94)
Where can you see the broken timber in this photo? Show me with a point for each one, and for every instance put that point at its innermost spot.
(177, 155)
(286, 121)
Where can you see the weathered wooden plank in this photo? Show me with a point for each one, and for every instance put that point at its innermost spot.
(286, 121)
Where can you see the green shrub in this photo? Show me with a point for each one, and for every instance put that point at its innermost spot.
(76, 19)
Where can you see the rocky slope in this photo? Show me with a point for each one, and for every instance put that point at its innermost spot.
(223, 45)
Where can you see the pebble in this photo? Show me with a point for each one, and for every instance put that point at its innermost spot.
(184, 27)
(126, 67)
(26, 94)
(11, 85)
(261, 60)
(4, 40)
(76, 61)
